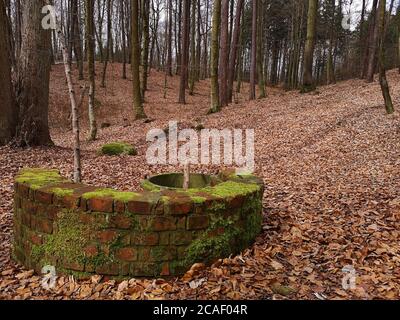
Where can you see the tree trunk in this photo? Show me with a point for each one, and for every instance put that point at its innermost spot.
(7, 104)
(33, 78)
(223, 64)
(260, 47)
(137, 99)
(146, 42)
(373, 43)
(169, 40)
(381, 58)
(253, 51)
(234, 49)
(77, 37)
(193, 49)
(216, 22)
(185, 51)
(123, 39)
(109, 35)
(90, 45)
(308, 81)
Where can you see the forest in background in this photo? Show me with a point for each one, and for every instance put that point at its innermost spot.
(295, 44)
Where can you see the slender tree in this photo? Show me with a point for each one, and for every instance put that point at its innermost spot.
(253, 69)
(223, 64)
(234, 49)
(216, 23)
(90, 47)
(381, 59)
(260, 50)
(308, 81)
(185, 52)
(137, 99)
(146, 41)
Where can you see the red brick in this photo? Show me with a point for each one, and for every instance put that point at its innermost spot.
(119, 206)
(140, 206)
(49, 212)
(74, 266)
(165, 270)
(197, 222)
(36, 239)
(121, 221)
(181, 237)
(91, 251)
(179, 207)
(45, 197)
(127, 254)
(181, 224)
(149, 239)
(30, 207)
(236, 202)
(101, 205)
(23, 190)
(163, 224)
(68, 201)
(164, 238)
(26, 219)
(107, 236)
(110, 269)
(44, 225)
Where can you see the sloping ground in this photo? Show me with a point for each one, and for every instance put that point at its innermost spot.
(331, 163)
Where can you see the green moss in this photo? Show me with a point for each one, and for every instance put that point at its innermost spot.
(110, 193)
(198, 200)
(207, 249)
(118, 148)
(38, 178)
(61, 192)
(68, 243)
(148, 186)
(231, 189)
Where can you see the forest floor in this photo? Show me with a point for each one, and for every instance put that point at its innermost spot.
(331, 164)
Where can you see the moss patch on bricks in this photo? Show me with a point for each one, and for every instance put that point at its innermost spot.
(38, 178)
(62, 192)
(68, 243)
(110, 193)
(118, 148)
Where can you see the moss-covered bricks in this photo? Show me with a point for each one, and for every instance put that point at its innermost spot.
(83, 230)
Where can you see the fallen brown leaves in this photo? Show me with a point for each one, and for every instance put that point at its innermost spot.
(331, 163)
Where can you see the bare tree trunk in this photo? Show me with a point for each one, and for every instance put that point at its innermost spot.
(185, 51)
(382, 69)
(109, 35)
(77, 37)
(260, 50)
(7, 104)
(74, 108)
(137, 99)
(91, 66)
(123, 39)
(145, 51)
(33, 78)
(216, 22)
(169, 40)
(253, 69)
(308, 81)
(234, 49)
(223, 54)
(193, 49)
(373, 44)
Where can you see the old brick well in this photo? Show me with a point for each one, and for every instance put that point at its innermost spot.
(83, 230)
